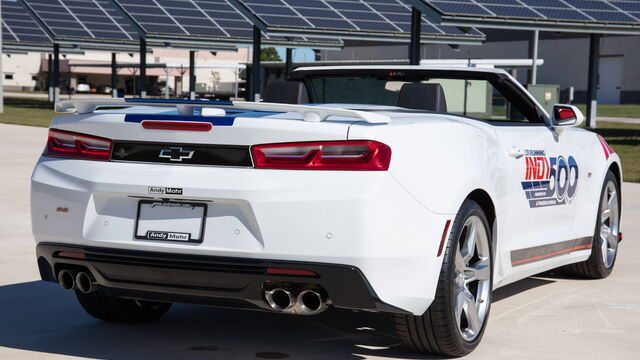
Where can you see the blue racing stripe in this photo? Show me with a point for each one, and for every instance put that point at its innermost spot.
(214, 120)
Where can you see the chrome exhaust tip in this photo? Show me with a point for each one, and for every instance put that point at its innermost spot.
(65, 279)
(279, 299)
(84, 284)
(311, 302)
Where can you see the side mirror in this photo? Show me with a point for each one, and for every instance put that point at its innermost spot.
(567, 115)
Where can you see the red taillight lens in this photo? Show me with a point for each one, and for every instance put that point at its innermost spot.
(363, 155)
(77, 146)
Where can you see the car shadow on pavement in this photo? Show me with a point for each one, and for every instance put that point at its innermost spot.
(41, 317)
(519, 287)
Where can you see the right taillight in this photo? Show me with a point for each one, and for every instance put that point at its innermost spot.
(362, 155)
(77, 146)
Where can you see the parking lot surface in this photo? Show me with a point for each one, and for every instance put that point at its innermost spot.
(544, 317)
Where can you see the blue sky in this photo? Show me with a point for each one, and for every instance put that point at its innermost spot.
(299, 55)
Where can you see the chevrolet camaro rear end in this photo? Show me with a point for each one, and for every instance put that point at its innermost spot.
(293, 227)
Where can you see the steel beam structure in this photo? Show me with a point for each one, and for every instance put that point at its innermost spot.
(114, 76)
(533, 54)
(592, 87)
(288, 67)
(256, 69)
(142, 85)
(56, 73)
(192, 75)
(416, 30)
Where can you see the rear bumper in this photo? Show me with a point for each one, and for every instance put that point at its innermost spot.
(207, 280)
(363, 219)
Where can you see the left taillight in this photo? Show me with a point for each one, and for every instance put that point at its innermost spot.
(77, 146)
(358, 155)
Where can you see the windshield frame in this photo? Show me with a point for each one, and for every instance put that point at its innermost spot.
(511, 91)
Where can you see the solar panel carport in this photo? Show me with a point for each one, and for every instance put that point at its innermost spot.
(595, 17)
(23, 32)
(277, 21)
(204, 21)
(104, 24)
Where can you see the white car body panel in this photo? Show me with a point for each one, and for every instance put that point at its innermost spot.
(388, 224)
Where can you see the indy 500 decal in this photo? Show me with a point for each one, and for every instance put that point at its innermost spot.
(549, 181)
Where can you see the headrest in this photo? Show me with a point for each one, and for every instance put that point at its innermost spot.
(422, 97)
(286, 92)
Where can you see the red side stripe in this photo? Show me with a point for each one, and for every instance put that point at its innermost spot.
(444, 237)
(581, 247)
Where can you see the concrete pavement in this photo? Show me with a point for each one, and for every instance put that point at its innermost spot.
(537, 318)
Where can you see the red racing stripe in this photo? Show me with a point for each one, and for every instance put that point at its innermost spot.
(581, 247)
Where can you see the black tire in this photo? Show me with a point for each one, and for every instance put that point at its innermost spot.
(114, 309)
(595, 267)
(437, 332)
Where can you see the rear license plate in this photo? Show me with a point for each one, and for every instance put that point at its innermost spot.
(170, 221)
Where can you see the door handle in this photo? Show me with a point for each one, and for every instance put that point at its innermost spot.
(516, 152)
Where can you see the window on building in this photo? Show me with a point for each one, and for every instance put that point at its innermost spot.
(8, 76)
(34, 78)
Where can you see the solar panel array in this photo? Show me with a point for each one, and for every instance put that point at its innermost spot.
(92, 19)
(19, 26)
(215, 18)
(392, 16)
(572, 10)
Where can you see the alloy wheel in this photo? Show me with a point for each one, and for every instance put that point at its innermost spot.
(609, 224)
(472, 278)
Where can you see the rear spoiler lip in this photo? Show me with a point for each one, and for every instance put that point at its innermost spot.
(186, 108)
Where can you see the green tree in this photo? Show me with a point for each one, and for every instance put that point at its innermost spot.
(269, 54)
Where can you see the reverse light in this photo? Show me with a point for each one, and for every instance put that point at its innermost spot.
(77, 146)
(362, 155)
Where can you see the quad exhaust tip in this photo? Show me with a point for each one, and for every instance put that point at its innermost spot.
(307, 302)
(66, 280)
(84, 284)
(279, 299)
(311, 302)
(82, 281)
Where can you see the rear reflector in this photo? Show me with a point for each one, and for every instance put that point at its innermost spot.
(71, 255)
(78, 146)
(443, 238)
(364, 155)
(176, 125)
(294, 272)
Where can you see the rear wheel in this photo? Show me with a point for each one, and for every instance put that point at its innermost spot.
(605, 239)
(455, 322)
(114, 309)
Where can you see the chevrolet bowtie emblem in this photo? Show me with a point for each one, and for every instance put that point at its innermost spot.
(176, 154)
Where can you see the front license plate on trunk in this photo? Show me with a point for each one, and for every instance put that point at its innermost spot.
(170, 221)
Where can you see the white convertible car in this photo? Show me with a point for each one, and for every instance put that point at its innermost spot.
(409, 190)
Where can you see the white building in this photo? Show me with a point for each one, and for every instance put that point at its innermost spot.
(29, 71)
